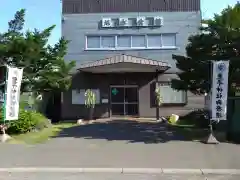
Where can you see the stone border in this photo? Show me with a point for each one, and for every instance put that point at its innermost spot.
(124, 170)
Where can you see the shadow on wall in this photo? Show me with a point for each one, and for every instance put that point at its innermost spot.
(44, 103)
(50, 106)
(133, 131)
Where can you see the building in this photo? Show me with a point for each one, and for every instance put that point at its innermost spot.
(122, 48)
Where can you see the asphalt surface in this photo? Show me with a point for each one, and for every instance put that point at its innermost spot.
(109, 176)
(118, 146)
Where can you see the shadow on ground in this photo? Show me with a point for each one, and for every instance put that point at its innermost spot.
(133, 131)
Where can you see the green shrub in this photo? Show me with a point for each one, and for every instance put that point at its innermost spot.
(24, 124)
(198, 117)
(41, 121)
(28, 121)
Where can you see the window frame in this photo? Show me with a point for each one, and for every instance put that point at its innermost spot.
(162, 42)
(172, 104)
(154, 35)
(138, 47)
(131, 37)
(101, 41)
(86, 41)
(116, 38)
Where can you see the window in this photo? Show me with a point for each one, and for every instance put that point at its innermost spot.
(124, 41)
(107, 41)
(168, 40)
(93, 42)
(138, 41)
(169, 95)
(120, 42)
(154, 40)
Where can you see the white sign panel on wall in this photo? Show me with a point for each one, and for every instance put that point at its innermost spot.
(13, 93)
(97, 93)
(219, 96)
(154, 21)
(104, 101)
(78, 96)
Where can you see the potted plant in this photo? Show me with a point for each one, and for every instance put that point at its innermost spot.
(90, 102)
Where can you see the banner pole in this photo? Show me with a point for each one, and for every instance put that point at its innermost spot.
(211, 79)
(5, 96)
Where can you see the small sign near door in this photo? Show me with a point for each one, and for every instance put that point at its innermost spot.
(104, 101)
(237, 90)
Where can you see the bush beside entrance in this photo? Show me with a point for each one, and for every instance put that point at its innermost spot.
(28, 121)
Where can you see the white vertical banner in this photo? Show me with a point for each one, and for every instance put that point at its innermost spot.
(14, 79)
(219, 96)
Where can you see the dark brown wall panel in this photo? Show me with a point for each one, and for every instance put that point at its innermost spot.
(110, 6)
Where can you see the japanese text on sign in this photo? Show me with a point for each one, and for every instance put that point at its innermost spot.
(219, 90)
(13, 96)
(219, 96)
(13, 92)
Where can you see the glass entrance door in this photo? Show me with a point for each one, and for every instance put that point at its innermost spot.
(124, 100)
(131, 101)
(117, 100)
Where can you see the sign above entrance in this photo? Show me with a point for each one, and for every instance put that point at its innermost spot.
(114, 91)
(122, 22)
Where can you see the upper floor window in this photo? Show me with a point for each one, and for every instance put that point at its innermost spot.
(93, 42)
(125, 42)
(155, 40)
(107, 41)
(138, 41)
(168, 40)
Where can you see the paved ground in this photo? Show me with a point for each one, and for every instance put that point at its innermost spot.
(97, 176)
(121, 145)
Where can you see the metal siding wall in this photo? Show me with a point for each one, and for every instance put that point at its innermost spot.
(107, 6)
(76, 26)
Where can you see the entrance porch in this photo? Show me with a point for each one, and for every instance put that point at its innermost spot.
(124, 85)
(123, 79)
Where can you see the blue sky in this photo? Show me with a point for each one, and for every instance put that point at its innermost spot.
(44, 13)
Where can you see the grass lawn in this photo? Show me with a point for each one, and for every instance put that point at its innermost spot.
(189, 129)
(41, 136)
(182, 122)
(190, 133)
